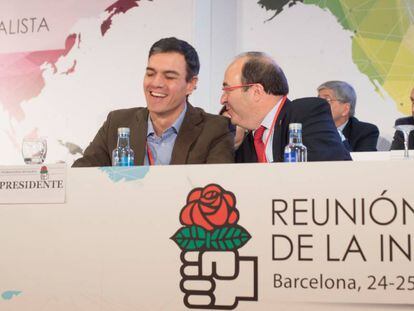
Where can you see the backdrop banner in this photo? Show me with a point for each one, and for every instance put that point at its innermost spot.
(64, 65)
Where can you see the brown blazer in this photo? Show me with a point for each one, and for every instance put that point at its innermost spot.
(202, 138)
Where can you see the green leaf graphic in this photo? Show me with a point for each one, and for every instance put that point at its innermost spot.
(196, 238)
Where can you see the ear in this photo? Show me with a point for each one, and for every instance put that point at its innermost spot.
(192, 85)
(258, 91)
(346, 109)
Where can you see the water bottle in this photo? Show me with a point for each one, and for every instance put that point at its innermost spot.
(295, 151)
(123, 155)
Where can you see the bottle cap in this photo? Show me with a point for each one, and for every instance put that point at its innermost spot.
(295, 126)
(123, 130)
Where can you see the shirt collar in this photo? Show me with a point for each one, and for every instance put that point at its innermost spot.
(268, 120)
(175, 126)
(341, 128)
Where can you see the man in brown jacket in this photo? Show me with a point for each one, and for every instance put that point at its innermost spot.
(169, 130)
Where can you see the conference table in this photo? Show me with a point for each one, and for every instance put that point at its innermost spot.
(381, 155)
(282, 236)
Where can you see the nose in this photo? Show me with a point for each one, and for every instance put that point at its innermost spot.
(157, 81)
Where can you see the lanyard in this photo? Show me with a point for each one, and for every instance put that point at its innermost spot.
(282, 103)
(150, 156)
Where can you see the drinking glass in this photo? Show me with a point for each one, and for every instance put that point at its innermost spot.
(34, 150)
(405, 129)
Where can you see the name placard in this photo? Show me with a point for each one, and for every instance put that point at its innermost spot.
(32, 184)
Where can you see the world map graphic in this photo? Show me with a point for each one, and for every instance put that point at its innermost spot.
(382, 43)
(382, 49)
(21, 74)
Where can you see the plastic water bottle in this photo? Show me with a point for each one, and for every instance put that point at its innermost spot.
(295, 151)
(123, 155)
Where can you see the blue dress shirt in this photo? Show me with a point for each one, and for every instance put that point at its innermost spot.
(162, 147)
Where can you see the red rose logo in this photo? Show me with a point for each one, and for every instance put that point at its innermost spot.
(210, 229)
(210, 207)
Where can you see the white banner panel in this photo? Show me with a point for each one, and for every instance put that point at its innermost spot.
(311, 236)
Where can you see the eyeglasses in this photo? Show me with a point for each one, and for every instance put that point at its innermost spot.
(329, 100)
(231, 88)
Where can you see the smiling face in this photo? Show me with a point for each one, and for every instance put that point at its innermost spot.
(165, 85)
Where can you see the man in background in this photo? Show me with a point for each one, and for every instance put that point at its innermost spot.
(356, 135)
(255, 95)
(398, 140)
(169, 130)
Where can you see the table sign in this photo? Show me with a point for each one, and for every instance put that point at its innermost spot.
(32, 184)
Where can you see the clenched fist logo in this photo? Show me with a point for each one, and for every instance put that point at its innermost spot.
(214, 275)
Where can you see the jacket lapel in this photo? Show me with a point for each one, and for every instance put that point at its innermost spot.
(347, 129)
(139, 136)
(279, 134)
(246, 152)
(189, 131)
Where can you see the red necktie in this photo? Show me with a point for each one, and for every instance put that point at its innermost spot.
(259, 145)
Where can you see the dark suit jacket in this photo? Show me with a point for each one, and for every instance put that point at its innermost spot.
(319, 133)
(202, 138)
(361, 136)
(398, 140)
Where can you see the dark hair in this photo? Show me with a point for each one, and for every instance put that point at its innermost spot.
(260, 68)
(168, 45)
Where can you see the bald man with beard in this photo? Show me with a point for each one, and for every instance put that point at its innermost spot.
(255, 96)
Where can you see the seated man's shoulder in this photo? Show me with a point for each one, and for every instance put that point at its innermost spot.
(212, 121)
(405, 121)
(363, 125)
(308, 103)
(307, 107)
(127, 113)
